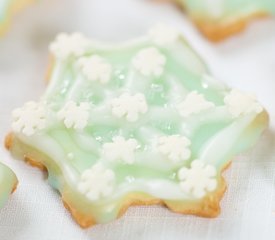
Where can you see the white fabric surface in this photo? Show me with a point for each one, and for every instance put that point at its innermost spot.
(247, 61)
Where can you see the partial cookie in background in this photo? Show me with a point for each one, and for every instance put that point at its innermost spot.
(219, 19)
(8, 8)
(8, 183)
(141, 122)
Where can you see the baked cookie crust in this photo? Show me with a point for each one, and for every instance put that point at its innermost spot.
(139, 123)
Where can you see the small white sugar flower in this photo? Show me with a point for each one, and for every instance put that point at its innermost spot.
(66, 45)
(194, 103)
(198, 180)
(95, 68)
(97, 182)
(120, 150)
(239, 103)
(163, 34)
(129, 106)
(30, 118)
(175, 147)
(149, 62)
(74, 115)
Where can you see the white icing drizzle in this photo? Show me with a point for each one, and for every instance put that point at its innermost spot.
(149, 62)
(29, 119)
(216, 150)
(66, 45)
(129, 106)
(120, 150)
(162, 156)
(239, 103)
(198, 179)
(54, 150)
(213, 82)
(194, 103)
(95, 68)
(73, 115)
(175, 147)
(163, 35)
(97, 182)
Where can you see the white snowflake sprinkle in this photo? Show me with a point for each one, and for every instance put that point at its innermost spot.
(175, 147)
(239, 103)
(95, 68)
(129, 106)
(97, 182)
(163, 34)
(69, 45)
(120, 150)
(149, 62)
(74, 115)
(198, 180)
(194, 103)
(29, 119)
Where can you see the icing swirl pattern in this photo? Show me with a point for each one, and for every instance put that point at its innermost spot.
(141, 121)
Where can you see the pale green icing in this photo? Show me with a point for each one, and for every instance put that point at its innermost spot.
(216, 137)
(8, 182)
(227, 10)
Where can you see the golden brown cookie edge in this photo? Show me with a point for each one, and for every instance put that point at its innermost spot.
(207, 207)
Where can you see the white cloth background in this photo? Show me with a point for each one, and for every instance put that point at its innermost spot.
(246, 61)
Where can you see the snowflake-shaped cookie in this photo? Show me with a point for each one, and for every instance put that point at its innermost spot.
(29, 119)
(68, 45)
(198, 179)
(120, 150)
(141, 122)
(239, 103)
(74, 115)
(175, 147)
(129, 106)
(95, 68)
(149, 62)
(219, 19)
(97, 182)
